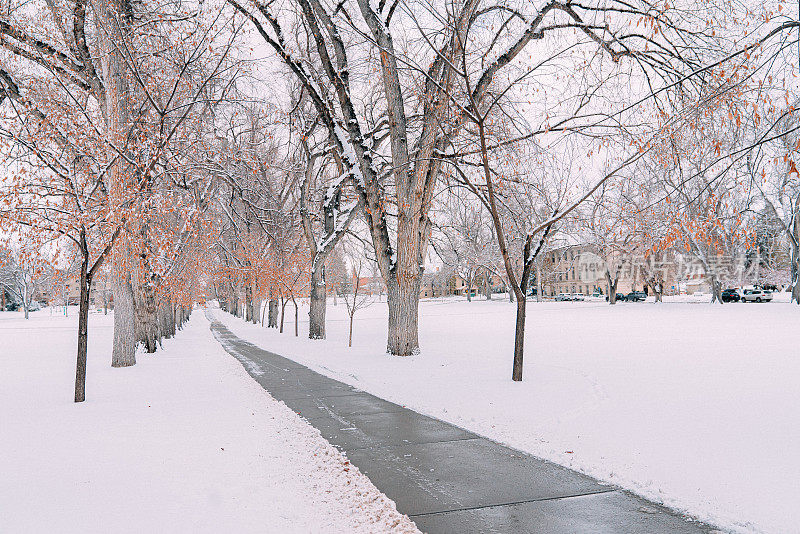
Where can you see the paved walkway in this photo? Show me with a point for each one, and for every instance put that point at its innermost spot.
(445, 478)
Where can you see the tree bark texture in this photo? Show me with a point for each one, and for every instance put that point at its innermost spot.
(403, 301)
(272, 316)
(124, 351)
(716, 290)
(350, 337)
(146, 312)
(296, 321)
(612, 288)
(83, 332)
(794, 257)
(117, 121)
(519, 340)
(317, 304)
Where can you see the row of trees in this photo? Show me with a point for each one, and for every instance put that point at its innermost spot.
(160, 138)
(103, 127)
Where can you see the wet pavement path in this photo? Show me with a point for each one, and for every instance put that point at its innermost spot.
(447, 479)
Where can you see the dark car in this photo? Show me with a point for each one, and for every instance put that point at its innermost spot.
(619, 297)
(731, 295)
(636, 296)
(12, 306)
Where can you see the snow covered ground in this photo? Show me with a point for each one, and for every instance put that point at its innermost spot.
(185, 441)
(689, 404)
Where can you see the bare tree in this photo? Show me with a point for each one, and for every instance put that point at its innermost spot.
(101, 96)
(706, 203)
(775, 177)
(464, 240)
(23, 273)
(396, 183)
(326, 214)
(356, 298)
(611, 238)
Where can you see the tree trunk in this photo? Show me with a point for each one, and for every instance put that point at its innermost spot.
(162, 321)
(296, 326)
(317, 302)
(83, 332)
(173, 318)
(124, 352)
(716, 290)
(612, 288)
(116, 114)
(146, 321)
(538, 282)
(403, 301)
(795, 264)
(173, 309)
(248, 303)
(519, 339)
(183, 316)
(658, 291)
(350, 338)
(283, 312)
(272, 319)
(487, 287)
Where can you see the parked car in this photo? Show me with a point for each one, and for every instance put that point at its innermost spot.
(619, 297)
(35, 306)
(636, 296)
(12, 306)
(731, 295)
(577, 296)
(563, 297)
(756, 295)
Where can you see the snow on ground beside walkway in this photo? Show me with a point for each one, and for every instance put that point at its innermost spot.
(690, 404)
(185, 441)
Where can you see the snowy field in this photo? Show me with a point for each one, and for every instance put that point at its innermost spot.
(686, 403)
(185, 441)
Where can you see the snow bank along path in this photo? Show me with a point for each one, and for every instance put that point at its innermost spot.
(185, 441)
(687, 404)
